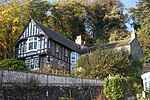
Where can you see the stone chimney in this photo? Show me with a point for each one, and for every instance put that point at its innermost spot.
(78, 40)
(133, 34)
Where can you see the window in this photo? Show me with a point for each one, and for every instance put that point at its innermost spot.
(57, 48)
(49, 44)
(73, 57)
(22, 47)
(31, 65)
(27, 62)
(32, 43)
(73, 54)
(25, 47)
(36, 63)
(35, 45)
(73, 61)
(66, 53)
(42, 43)
(30, 46)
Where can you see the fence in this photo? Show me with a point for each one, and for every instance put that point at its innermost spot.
(9, 77)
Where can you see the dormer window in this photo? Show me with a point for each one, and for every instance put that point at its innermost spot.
(32, 44)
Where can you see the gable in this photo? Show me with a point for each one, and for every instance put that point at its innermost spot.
(31, 30)
(36, 29)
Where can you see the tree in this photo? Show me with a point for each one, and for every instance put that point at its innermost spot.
(141, 21)
(101, 63)
(14, 16)
(104, 18)
(68, 19)
(115, 88)
(13, 64)
(88, 18)
(38, 10)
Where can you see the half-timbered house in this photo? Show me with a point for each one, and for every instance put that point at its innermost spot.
(40, 47)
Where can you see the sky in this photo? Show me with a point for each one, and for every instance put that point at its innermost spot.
(129, 3)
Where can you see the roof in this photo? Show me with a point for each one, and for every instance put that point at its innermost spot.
(59, 38)
(56, 37)
(107, 46)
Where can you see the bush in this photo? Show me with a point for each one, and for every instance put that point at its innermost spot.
(34, 82)
(13, 64)
(115, 88)
(145, 59)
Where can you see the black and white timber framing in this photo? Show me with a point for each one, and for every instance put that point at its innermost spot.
(41, 47)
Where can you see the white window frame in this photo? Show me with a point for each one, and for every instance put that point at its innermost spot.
(32, 40)
(31, 64)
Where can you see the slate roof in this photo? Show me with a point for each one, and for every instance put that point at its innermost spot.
(59, 38)
(107, 46)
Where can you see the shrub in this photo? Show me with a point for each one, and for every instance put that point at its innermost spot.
(115, 88)
(145, 59)
(33, 82)
(13, 64)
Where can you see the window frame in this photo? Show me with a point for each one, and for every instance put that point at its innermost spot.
(57, 48)
(66, 52)
(33, 41)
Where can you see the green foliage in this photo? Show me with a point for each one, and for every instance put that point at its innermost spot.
(68, 19)
(33, 82)
(115, 88)
(145, 59)
(101, 63)
(13, 64)
(141, 21)
(80, 68)
(81, 17)
(38, 10)
(13, 17)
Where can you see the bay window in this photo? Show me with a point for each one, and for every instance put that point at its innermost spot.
(32, 44)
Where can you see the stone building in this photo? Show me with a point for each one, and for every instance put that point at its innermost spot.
(131, 45)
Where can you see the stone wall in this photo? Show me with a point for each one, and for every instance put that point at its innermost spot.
(18, 92)
(55, 63)
(9, 77)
